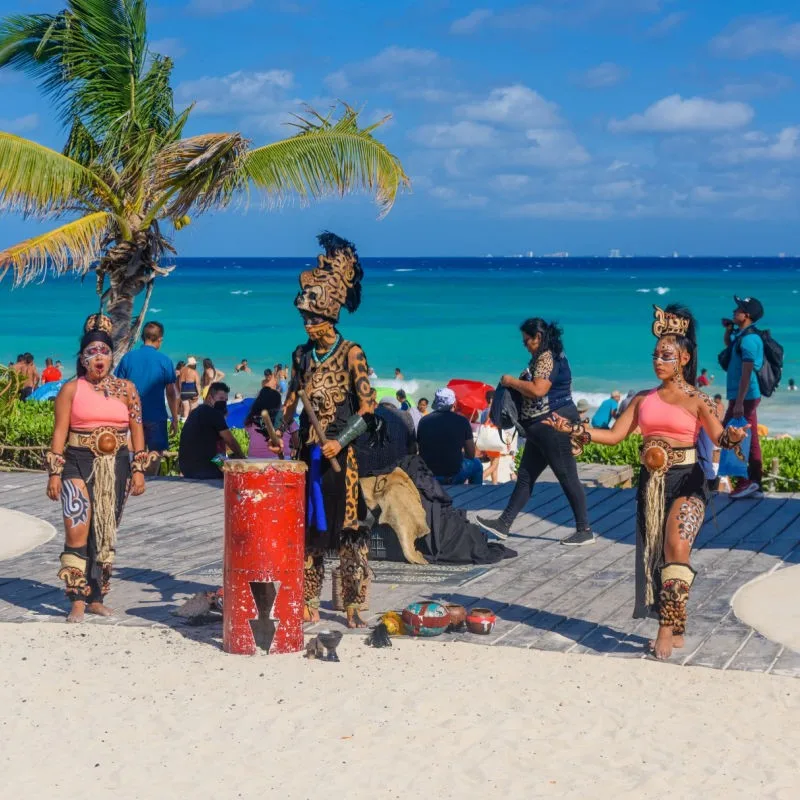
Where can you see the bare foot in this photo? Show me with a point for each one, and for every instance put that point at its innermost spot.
(662, 646)
(354, 619)
(310, 615)
(100, 610)
(677, 642)
(76, 612)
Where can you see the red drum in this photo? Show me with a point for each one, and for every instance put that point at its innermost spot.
(265, 511)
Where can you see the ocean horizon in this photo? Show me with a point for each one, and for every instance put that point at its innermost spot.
(439, 318)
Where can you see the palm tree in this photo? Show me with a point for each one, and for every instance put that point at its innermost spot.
(126, 170)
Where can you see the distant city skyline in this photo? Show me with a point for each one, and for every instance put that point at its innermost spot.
(643, 126)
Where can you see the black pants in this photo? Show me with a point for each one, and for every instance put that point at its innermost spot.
(545, 447)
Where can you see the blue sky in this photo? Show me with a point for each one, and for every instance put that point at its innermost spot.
(581, 125)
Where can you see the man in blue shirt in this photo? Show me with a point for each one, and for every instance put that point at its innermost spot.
(153, 375)
(744, 394)
(607, 412)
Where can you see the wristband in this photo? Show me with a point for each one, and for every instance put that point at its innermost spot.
(353, 428)
(54, 463)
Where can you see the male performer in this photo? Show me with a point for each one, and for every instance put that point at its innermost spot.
(334, 374)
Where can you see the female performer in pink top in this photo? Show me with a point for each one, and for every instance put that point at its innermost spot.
(672, 493)
(93, 475)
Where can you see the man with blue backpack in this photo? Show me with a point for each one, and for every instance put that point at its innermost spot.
(753, 361)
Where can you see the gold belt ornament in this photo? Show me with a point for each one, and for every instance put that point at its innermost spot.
(103, 441)
(658, 456)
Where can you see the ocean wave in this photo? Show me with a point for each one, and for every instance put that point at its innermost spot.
(661, 289)
(240, 291)
(643, 291)
(155, 310)
(405, 269)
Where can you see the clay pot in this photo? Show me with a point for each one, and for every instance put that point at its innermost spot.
(480, 621)
(458, 616)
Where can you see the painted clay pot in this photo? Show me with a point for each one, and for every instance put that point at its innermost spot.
(458, 616)
(481, 621)
(425, 619)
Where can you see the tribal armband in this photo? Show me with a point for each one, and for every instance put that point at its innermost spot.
(580, 438)
(726, 443)
(54, 463)
(142, 460)
(353, 428)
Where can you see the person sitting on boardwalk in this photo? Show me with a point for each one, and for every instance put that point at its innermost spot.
(672, 493)
(446, 444)
(93, 415)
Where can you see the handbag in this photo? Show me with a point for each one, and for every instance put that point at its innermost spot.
(489, 439)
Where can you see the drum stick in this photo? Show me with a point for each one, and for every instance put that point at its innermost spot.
(272, 433)
(312, 418)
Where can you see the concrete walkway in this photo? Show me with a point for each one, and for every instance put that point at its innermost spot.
(549, 598)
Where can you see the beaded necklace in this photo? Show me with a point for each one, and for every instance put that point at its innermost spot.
(331, 351)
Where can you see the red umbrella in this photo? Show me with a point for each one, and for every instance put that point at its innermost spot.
(470, 396)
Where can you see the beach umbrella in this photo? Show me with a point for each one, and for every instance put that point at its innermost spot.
(237, 412)
(47, 391)
(470, 396)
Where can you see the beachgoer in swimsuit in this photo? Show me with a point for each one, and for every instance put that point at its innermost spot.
(188, 381)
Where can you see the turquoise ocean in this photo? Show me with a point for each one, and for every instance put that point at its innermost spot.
(439, 318)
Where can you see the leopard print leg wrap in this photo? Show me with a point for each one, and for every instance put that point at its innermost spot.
(691, 514)
(676, 580)
(74, 563)
(313, 576)
(351, 491)
(105, 585)
(354, 568)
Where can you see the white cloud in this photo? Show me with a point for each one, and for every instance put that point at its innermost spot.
(785, 146)
(218, 6)
(388, 69)
(174, 48)
(471, 22)
(250, 92)
(552, 148)
(673, 113)
(667, 24)
(453, 135)
(563, 209)
(457, 199)
(509, 182)
(751, 36)
(20, 124)
(603, 75)
(756, 86)
(616, 190)
(515, 105)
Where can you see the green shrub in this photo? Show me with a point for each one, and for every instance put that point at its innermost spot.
(787, 451)
(30, 424)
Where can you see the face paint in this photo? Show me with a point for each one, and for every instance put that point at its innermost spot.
(96, 358)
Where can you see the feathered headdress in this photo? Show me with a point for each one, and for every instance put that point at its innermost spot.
(334, 282)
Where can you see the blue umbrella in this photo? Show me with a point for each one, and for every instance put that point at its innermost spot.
(237, 412)
(48, 391)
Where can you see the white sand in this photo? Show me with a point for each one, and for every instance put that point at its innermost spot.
(21, 532)
(771, 605)
(126, 713)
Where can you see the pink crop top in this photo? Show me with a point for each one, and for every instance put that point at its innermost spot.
(91, 409)
(657, 418)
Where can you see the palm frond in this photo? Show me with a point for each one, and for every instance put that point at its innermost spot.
(74, 246)
(199, 172)
(328, 156)
(37, 180)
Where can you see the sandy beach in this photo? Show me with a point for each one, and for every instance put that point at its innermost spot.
(147, 713)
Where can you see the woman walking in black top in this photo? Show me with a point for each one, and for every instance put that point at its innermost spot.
(544, 387)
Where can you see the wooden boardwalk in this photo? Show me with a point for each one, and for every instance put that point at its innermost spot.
(551, 597)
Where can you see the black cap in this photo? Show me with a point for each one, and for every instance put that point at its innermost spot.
(750, 306)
